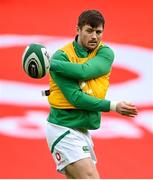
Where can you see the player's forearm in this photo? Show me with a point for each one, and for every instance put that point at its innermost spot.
(89, 103)
(77, 98)
(86, 71)
(82, 101)
(99, 65)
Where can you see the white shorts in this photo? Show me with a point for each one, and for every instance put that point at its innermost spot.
(68, 145)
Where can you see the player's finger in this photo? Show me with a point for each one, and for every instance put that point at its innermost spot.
(129, 107)
(129, 113)
(135, 111)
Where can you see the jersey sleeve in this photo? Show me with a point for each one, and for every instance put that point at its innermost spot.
(100, 65)
(72, 92)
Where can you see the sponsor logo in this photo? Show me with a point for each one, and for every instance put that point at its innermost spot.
(85, 148)
(58, 156)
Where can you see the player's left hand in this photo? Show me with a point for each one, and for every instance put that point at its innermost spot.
(126, 109)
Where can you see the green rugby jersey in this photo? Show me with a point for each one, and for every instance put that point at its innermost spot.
(67, 76)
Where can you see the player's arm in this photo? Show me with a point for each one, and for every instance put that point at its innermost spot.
(72, 92)
(81, 100)
(100, 65)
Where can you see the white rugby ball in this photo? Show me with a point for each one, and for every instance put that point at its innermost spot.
(35, 61)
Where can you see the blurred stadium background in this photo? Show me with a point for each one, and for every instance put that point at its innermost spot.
(123, 146)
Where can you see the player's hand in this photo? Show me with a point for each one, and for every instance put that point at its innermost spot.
(126, 109)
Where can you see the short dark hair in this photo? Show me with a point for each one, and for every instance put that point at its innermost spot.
(91, 17)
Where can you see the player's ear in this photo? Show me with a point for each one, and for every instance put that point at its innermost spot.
(77, 28)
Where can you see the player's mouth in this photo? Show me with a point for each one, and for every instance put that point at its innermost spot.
(93, 43)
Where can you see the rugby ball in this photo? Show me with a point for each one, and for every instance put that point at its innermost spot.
(35, 61)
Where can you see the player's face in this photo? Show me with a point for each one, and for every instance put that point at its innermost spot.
(90, 37)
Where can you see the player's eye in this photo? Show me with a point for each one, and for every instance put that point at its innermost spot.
(89, 30)
(98, 32)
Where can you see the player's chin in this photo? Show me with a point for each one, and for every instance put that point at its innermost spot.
(92, 46)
